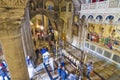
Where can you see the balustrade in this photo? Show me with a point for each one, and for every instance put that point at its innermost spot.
(112, 55)
(101, 5)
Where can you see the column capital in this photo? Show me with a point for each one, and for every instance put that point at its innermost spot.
(13, 3)
(9, 28)
(10, 20)
(11, 13)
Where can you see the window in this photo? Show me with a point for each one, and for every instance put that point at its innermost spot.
(70, 7)
(63, 9)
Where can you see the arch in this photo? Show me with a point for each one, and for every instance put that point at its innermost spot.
(90, 17)
(52, 15)
(110, 17)
(49, 14)
(83, 17)
(99, 17)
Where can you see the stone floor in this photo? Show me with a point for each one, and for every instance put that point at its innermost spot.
(41, 75)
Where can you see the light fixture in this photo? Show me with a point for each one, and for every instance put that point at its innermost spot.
(38, 26)
(41, 27)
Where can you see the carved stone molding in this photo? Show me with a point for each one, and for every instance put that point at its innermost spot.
(9, 28)
(9, 24)
(11, 13)
(13, 3)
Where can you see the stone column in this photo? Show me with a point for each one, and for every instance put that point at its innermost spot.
(60, 24)
(27, 36)
(79, 33)
(69, 30)
(10, 37)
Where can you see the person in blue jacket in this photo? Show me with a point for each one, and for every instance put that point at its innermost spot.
(62, 62)
(89, 70)
(63, 74)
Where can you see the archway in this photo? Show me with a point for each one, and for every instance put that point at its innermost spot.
(90, 18)
(109, 19)
(99, 18)
(83, 17)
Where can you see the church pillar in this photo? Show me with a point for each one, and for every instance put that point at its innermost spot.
(60, 24)
(10, 36)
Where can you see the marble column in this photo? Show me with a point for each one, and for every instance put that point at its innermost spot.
(10, 37)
